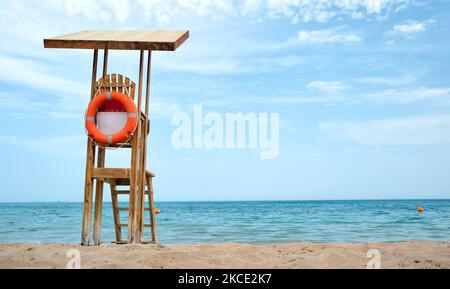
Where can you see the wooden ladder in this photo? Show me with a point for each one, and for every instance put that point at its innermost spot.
(117, 209)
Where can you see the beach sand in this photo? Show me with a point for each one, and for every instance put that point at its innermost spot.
(412, 254)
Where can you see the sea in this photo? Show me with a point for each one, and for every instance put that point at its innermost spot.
(257, 222)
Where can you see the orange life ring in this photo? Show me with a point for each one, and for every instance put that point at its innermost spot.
(128, 129)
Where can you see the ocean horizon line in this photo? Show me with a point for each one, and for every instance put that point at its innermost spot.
(249, 201)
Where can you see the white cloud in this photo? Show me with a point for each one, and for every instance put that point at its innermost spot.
(121, 9)
(89, 9)
(327, 36)
(166, 11)
(280, 61)
(211, 65)
(64, 96)
(405, 79)
(405, 96)
(300, 99)
(203, 65)
(422, 130)
(389, 96)
(165, 108)
(322, 10)
(31, 73)
(410, 28)
(328, 86)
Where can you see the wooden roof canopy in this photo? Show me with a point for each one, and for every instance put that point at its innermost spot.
(167, 40)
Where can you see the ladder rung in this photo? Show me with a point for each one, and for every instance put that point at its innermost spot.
(123, 192)
(118, 192)
(145, 225)
(127, 209)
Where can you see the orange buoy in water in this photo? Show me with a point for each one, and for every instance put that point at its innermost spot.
(420, 210)
(157, 211)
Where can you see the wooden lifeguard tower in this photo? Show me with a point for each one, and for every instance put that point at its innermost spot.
(136, 177)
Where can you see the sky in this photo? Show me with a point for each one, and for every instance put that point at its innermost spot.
(361, 87)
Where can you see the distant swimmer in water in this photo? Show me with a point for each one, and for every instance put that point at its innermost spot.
(34, 213)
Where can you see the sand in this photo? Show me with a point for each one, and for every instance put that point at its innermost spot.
(412, 254)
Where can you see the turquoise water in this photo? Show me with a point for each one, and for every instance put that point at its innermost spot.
(251, 222)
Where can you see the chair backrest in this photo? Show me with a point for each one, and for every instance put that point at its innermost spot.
(116, 82)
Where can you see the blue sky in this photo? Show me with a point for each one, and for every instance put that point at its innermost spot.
(362, 89)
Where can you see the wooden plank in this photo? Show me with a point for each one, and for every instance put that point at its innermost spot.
(141, 185)
(111, 173)
(106, 83)
(113, 84)
(105, 62)
(118, 86)
(115, 204)
(168, 40)
(151, 207)
(132, 90)
(124, 192)
(120, 83)
(126, 225)
(98, 210)
(139, 213)
(125, 209)
(143, 160)
(120, 182)
(90, 157)
(121, 192)
(147, 90)
(99, 182)
(134, 198)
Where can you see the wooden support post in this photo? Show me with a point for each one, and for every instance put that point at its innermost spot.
(90, 157)
(143, 160)
(116, 213)
(141, 188)
(134, 177)
(99, 183)
(151, 201)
